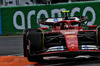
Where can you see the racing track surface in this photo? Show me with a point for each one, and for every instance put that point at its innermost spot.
(11, 52)
(10, 45)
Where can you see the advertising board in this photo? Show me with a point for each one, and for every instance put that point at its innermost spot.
(15, 19)
(0, 23)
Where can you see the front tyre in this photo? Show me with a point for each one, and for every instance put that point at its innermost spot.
(25, 41)
(35, 44)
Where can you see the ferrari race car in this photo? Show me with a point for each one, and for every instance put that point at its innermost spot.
(67, 38)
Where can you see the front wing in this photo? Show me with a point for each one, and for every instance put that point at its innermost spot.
(68, 53)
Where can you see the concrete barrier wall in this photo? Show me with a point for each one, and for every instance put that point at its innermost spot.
(15, 19)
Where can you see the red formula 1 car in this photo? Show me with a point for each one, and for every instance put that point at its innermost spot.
(67, 38)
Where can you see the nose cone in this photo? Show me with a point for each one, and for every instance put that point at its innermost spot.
(71, 42)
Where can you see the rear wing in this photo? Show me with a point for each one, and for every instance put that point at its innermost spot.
(79, 18)
(51, 21)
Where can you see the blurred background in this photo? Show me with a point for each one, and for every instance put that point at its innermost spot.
(37, 2)
(17, 15)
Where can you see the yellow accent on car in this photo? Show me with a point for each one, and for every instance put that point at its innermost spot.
(71, 36)
(72, 48)
(66, 11)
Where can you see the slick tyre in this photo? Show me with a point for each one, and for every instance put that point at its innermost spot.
(35, 44)
(25, 41)
(36, 41)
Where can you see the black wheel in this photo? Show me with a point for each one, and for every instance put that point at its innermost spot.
(25, 42)
(35, 37)
(34, 43)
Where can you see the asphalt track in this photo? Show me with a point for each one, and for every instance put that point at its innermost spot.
(12, 46)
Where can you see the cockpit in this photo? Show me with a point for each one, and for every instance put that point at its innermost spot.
(63, 25)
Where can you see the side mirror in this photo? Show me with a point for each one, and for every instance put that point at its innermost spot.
(44, 28)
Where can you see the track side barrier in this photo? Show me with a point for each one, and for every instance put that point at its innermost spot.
(15, 19)
(0, 23)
